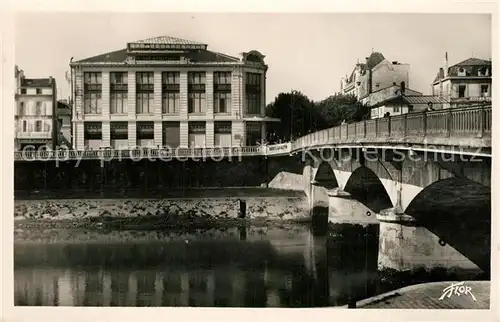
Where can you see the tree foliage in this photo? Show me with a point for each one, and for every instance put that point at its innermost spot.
(300, 116)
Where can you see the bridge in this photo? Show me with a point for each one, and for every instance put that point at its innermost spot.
(423, 178)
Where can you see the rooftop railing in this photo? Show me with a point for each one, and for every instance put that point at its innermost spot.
(447, 125)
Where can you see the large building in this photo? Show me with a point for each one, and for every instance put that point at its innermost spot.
(375, 74)
(465, 83)
(35, 115)
(170, 92)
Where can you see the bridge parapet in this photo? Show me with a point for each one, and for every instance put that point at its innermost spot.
(469, 127)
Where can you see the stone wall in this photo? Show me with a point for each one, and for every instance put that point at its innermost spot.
(128, 178)
(280, 207)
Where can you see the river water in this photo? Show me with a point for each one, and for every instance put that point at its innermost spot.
(280, 266)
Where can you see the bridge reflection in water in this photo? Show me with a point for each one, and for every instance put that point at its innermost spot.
(279, 267)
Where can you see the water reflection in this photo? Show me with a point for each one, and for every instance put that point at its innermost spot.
(280, 267)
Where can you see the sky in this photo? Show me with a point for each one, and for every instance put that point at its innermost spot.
(309, 52)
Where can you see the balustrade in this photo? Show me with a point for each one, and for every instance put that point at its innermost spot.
(473, 122)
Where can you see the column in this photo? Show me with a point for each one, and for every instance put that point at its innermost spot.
(263, 93)
(184, 134)
(209, 93)
(157, 95)
(343, 209)
(238, 132)
(237, 92)
(404, 245)
(106, 134)
(131, 95)
(79, 135)
(132, 133)
(158, 132)
(183, 96)
(105, 94)
(209, 130)
(78, 94)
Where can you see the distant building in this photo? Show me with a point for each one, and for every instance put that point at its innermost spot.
(374, 74)
(464, 84)
(64, 123)
(172, 92)
(35, 114)
(403, 104)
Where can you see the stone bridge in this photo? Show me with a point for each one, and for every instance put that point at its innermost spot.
(423, 178)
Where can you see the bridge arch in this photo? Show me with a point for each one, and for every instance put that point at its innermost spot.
(457, 211)
(365, 186)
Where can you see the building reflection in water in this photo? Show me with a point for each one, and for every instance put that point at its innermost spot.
(300, 270)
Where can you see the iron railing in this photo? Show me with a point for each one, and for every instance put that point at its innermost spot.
(471, 122)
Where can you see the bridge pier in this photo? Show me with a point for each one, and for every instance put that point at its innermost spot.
(344, 209)
(405, 245)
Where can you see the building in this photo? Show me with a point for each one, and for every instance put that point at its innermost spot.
(171, 92)
(464, 84)
(375, 74)
(35, 115)
(403, 104)
(64, 123)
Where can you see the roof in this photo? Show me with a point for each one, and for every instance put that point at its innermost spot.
(168, 41)
(36, 82)
(425, 99)
(374, 59)
(473, 62)
(197, 55)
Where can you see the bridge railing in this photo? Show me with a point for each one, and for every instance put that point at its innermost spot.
(472, 122)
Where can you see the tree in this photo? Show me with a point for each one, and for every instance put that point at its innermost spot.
(299, 115)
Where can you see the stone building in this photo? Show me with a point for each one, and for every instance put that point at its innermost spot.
(374, 74)
(465, 83)
(34, 113)
(172, 92)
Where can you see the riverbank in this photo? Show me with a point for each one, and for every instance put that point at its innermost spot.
(427, 296)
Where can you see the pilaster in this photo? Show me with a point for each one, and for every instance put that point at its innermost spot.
(131, 97)
(209, 93)
(158, 132)
(183, 96)
(210, 137)
(105, 95)
(132, 133)
(79, 136)
(106, 134)
(157, 94)
(184, 134)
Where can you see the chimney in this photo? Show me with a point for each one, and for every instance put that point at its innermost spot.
(403, 87)
(446, 64)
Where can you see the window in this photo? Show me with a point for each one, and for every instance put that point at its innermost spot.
(170, 102)
(222, 134)
(197, 134)
(222, 78)
(253, 93)
(170, 93)
(253, 103)
(145, 103)
(484, 90)
(38, 109)
(38, 91)
(118, 103)
(222, 102)
(25, 128)
(92, 93)
(461, 90)
(145, 131)
(196, 78)
(22, 112)
(23, 90)
(171, 78)
(196, 103)
(145, 93)
(92, 134)
(118, 78)
(253, 134)
(38, 126)
(396, 109)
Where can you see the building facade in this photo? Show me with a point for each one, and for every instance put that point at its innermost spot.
(375, 74)
(464, 84)
(170, 92)
(35, 114)
(64, 123)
